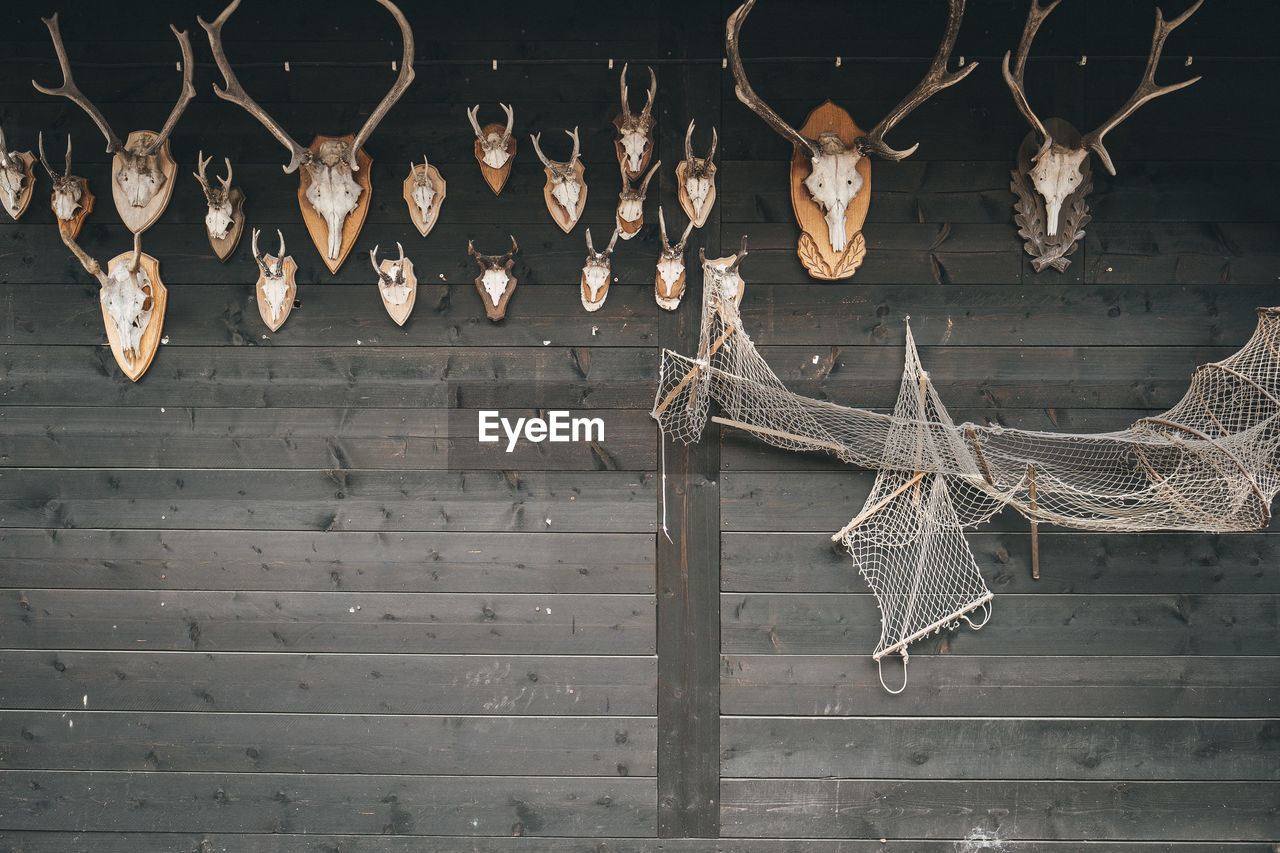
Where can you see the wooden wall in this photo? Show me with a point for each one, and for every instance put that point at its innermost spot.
(275, 597)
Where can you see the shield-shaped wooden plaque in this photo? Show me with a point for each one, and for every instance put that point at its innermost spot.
(316, 225)
(496, 178)
(698, 217)
(645, 157)
(28, 185)
(424, 226)
(139, 219)
(73, 225)
(150, 340)
(562, 217)
(669, 298)
(290, 270)
(400, 313)
(225, 247)
(814, 247)
(495, 311)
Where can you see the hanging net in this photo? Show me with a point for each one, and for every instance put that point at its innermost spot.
(1211, 463)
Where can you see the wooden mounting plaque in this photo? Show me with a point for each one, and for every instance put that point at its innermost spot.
(698, 219)
(585, 292)
(290, 268)
(139, 219)
(226, 247)
(814, 247)
(150, 340)
(645, 157)
(669, 303)
(497, 312)
(28, 185)
(316, 225)
(558, 213)
(1031, 213)
(724, 262)
(496, 178)
(627, 230)
(400, 313)
(73, 225)
(424, 226)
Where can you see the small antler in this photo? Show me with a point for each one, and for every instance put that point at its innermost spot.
(573, 158)
(648, 104)
(43, 159)
(202, 163)
(662, 229)
(935, 80)
(644, 185)
(475, 125)
(397, 89)
(514, 248)
(1147, 88)
(184, 98)
(742, 253)
(538, 149)
(1014, 78)
(226, 182)
(5, 161)
(733, 27)
(236, 94)
(511, 120)
(71, 92)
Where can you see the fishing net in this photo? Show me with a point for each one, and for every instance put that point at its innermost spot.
(1211, 463)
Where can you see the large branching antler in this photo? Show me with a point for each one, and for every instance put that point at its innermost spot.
(935, 80)
(1147, 88)
(748, 96)
(397, 89)
(187, 94)
(1014, 78)
(71, 92)
(235, 93)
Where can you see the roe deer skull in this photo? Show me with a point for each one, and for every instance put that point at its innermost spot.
(670, 280)
(13, 175)
(126, 295)
(68, 190)
(495, 282)
(275, 284)
(630, 213)
(496, 146)
(699, 174)
(424, 192)
(595, 273)
(635, 133)
(219, 219)
(395, 288)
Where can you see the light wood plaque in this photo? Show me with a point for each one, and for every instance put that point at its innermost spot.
(682, 175)
(814, 247)
(150, 340)
(400, 313)
(290, 269)
(558, 213)
(316, 225)
(645, 157)
(496, 178)
(225, 247)
(139, 219)
(424, 226)
(28, 185)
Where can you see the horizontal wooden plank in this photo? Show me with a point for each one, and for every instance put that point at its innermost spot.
(332, 315)
(124, 842)
(362, 804)
(1061, 749)
(316, 683)
(283, 438)
(337, 499)
(1086, 563)
(1101, 685)
(1154, 624)
(322, 743)
(429, 623)
(391, 377)
(1185, 811)
(347, 561)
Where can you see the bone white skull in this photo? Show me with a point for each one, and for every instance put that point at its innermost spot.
(496, 146)
(595, 273)
(670, 266)
(395, 288)
(220, 217)
(565, 186)
(67, 189)
(275, 284)
(424, 192)
(635, 131)
(631, 201)
(833, 182)
(334, 192)
(1056, 175)
(700, 172)
(127, 298)
(495, 284)
(139, 174)
(13, 176)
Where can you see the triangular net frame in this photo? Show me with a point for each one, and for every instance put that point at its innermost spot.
(1211, 463)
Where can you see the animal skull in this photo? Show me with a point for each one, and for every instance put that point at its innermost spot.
(670, 281)
(700, 173)
(631, 203)
(595, 273)
(334, 192)
(495, 283)
(833, 182)
(424, 192)
(722, 273)
(496, 146)
(1055, 176)
(13, 175)
(395, 289)
(275, 284)
(565, 186)
(219, 219)
(68, 190)
(635, 132)
(125, 295)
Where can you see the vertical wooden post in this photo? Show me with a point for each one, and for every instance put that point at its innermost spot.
(1035, 525)
(688, 566)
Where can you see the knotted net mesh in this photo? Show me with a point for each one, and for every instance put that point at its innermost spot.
(1211, 463)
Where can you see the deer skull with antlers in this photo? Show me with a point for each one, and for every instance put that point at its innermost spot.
(133, 301)
(595, 273)
(335, 181)
(834, 155)
(495, 147)
(630, 213)
(566, 189)
(424, 192)
(635, 133)
(722, 273)
(224, 221)
(17, 178)
(668, 285)
(71, 200)
(696, 177)
(495, 282)
(277, 286)
(397, 284)
(1058, 169)
(142, 170)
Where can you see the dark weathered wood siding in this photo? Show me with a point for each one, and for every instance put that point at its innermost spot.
(275, 596)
